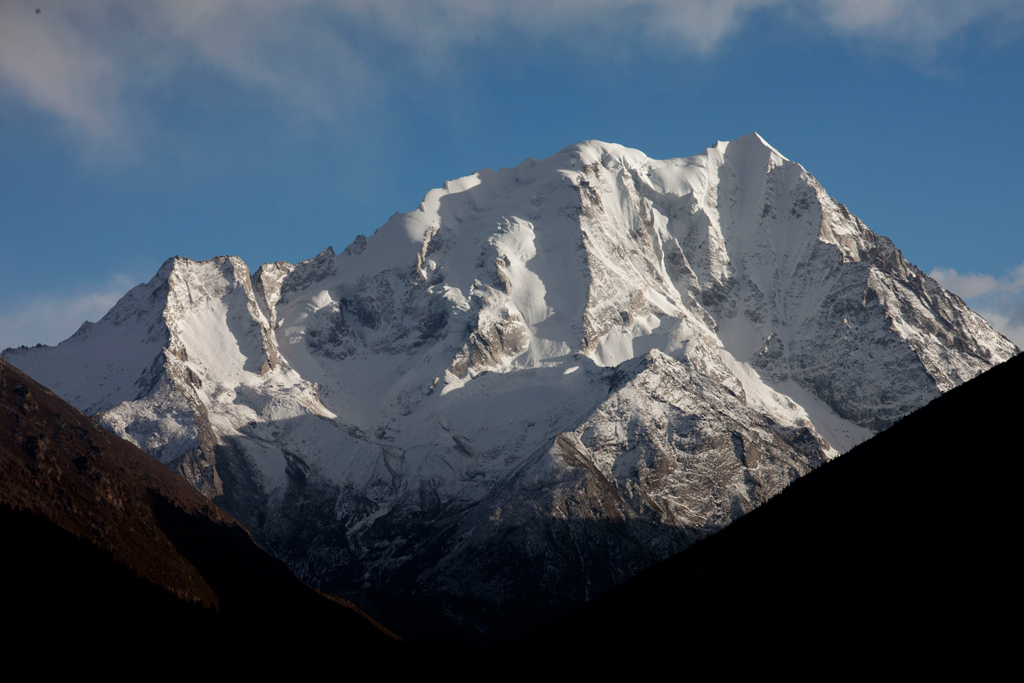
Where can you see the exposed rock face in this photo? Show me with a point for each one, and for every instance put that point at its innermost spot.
(536, 384)
(172, 360)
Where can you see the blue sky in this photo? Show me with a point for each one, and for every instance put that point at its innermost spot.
(132, 132)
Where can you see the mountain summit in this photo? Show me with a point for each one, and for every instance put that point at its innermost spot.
(539, 382)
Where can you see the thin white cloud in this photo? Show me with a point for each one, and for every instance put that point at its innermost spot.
(92, 63)
(972, 285)
(58, 68)
(997, 299)
(50, 319)
(920, 25)
(1009, 321)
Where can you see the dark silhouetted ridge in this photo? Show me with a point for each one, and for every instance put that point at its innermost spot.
(102, 544)
(905, 547)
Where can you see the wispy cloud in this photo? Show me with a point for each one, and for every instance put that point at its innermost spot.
(973, 285)
(57, 67)
(918, 25)
(997, 299)
(1009, 320)
(50, 319)
(92, 63)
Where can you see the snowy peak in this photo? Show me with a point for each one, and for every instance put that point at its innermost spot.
(597, 250)
(212, 309)
(191, 341)
(596, 335)
(750, 144)
(607, 154)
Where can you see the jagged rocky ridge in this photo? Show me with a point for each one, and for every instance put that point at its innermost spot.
(538, 383)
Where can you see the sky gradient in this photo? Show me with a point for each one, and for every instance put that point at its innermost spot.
(133, 132)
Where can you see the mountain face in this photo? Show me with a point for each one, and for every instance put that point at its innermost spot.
(541, 381)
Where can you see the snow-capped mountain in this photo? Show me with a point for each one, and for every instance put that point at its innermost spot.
(538, 383)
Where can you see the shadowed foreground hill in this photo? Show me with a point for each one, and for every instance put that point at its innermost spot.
(103, 545)
(906, 547)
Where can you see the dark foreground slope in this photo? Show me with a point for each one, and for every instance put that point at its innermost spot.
(103, 546)
(904, 549)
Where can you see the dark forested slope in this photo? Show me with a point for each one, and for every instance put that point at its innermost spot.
(103, 544)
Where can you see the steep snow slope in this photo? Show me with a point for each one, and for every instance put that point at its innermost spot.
(539, 382)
